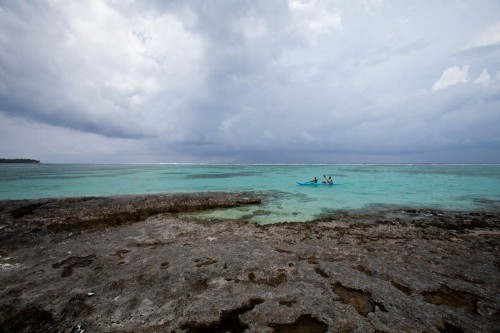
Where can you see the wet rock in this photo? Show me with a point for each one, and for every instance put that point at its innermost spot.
(357, 298)
(454, 298)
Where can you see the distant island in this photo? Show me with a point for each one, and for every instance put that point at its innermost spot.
(18, 160)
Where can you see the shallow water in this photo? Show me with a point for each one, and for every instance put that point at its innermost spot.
(446, 187)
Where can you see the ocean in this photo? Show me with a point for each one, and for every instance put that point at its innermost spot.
(422, 186)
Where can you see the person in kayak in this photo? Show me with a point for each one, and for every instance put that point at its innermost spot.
(315, 180)
(329, 180)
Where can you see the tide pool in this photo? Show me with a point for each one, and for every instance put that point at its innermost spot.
(446, 187)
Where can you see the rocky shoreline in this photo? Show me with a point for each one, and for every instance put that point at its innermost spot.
(130, 264)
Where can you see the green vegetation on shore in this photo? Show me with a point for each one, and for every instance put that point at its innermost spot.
(18, 160)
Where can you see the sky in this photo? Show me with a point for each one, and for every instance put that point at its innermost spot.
(223, 81)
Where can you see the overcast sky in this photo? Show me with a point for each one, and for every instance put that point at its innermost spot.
(260, 81)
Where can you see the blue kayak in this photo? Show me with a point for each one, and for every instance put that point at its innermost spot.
(314, 184)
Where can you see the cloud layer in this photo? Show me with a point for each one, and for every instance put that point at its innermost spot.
(250, 81)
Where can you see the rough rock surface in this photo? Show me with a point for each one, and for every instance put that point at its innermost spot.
(129, 264)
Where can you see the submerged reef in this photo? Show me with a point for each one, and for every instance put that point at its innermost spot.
(130, 264)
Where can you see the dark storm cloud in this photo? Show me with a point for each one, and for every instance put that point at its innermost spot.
(256, 81)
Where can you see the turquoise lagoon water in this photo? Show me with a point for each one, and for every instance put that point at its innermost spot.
(447, 187)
